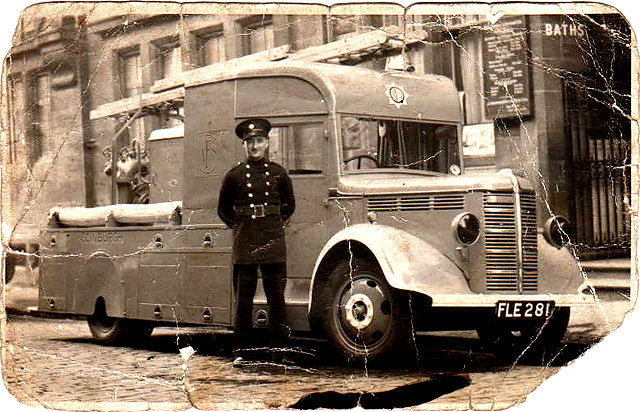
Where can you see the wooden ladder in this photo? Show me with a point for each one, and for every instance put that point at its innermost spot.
(171, 90)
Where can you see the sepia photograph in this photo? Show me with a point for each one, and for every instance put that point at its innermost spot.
(260, 206)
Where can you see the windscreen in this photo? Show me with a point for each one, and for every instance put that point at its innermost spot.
(370, 143)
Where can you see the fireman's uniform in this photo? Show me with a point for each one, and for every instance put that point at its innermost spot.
(256, 198)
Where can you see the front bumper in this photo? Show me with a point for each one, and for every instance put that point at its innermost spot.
(482, 300)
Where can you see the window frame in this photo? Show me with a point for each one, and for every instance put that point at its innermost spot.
(39, 112)
(290, 123)
(120, 57)
(138, 128)
(248, 24)
(341, 165)
(16, 116)
(200, 36)
(158, 55)
(363, 23)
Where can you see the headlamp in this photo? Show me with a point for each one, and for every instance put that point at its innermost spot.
(466, 228)
(558, 231)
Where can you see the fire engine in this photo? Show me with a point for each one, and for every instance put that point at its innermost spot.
(391, 235)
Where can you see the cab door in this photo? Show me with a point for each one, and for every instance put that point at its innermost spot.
(298, 113)
(300, 145)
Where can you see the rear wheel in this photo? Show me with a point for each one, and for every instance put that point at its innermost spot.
(528, 341)
(364, 319)
(108, 330)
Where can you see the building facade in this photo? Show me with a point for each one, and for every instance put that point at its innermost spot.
(545, 95)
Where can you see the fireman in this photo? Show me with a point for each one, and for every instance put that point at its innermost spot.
(256, 200)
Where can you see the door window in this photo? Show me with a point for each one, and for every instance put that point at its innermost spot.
(298, 147)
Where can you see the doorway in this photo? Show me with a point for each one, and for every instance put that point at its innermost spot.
(600, 158)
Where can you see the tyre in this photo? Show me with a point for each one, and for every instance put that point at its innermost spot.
(530, 342)
(364, 319)
(109, 331)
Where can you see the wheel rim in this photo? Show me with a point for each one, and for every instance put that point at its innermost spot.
(364, 313)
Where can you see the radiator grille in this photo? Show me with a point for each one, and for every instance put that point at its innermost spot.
(415, 203)
(501, 243)
(529, 242)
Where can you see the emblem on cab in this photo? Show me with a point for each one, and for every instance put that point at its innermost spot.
(397, 95)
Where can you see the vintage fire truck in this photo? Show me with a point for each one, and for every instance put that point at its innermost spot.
(390, 237)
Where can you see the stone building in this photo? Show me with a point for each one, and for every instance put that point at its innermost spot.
(43, 122)
(547, 95)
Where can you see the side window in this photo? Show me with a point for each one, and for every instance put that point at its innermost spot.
(277, 145)
(298, 147)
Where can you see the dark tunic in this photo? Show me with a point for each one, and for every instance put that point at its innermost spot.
(251, 183)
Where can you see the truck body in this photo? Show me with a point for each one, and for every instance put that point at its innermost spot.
(390, 235)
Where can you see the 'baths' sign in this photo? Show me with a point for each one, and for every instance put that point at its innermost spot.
(564, 29)
(564, 40)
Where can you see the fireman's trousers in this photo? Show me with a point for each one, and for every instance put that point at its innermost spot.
(245, 281)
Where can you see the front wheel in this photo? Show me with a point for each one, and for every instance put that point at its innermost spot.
(364, 319)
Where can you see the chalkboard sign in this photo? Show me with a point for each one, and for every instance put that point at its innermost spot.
(506, 72)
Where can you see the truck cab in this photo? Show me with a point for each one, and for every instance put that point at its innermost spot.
(390, 237)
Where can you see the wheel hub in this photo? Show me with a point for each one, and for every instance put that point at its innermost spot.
(359, 311)
(365, 311)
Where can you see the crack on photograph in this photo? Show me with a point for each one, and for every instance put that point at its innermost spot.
(297, 206)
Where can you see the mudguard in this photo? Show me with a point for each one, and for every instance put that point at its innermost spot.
(407, 262)
(559, 271)
(99, 277)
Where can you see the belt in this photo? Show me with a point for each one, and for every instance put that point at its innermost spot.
(257, 210)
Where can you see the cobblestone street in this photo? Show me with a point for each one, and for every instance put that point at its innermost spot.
(55, 363)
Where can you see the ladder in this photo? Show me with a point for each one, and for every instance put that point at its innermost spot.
(170, 91)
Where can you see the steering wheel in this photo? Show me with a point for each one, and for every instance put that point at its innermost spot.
(359, 159)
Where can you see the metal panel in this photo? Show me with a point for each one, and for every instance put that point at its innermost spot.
(438, 97)
(277, 96)
(159, 282)
(53, 284)
(207, 286)
(166, 160)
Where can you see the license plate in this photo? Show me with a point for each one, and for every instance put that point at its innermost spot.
(524, 309)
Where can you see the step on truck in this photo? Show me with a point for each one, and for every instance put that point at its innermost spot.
(391, 235)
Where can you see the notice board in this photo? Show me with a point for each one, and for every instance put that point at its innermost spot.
(506, 71)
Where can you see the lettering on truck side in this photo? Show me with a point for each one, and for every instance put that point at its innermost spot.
(101, 237)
